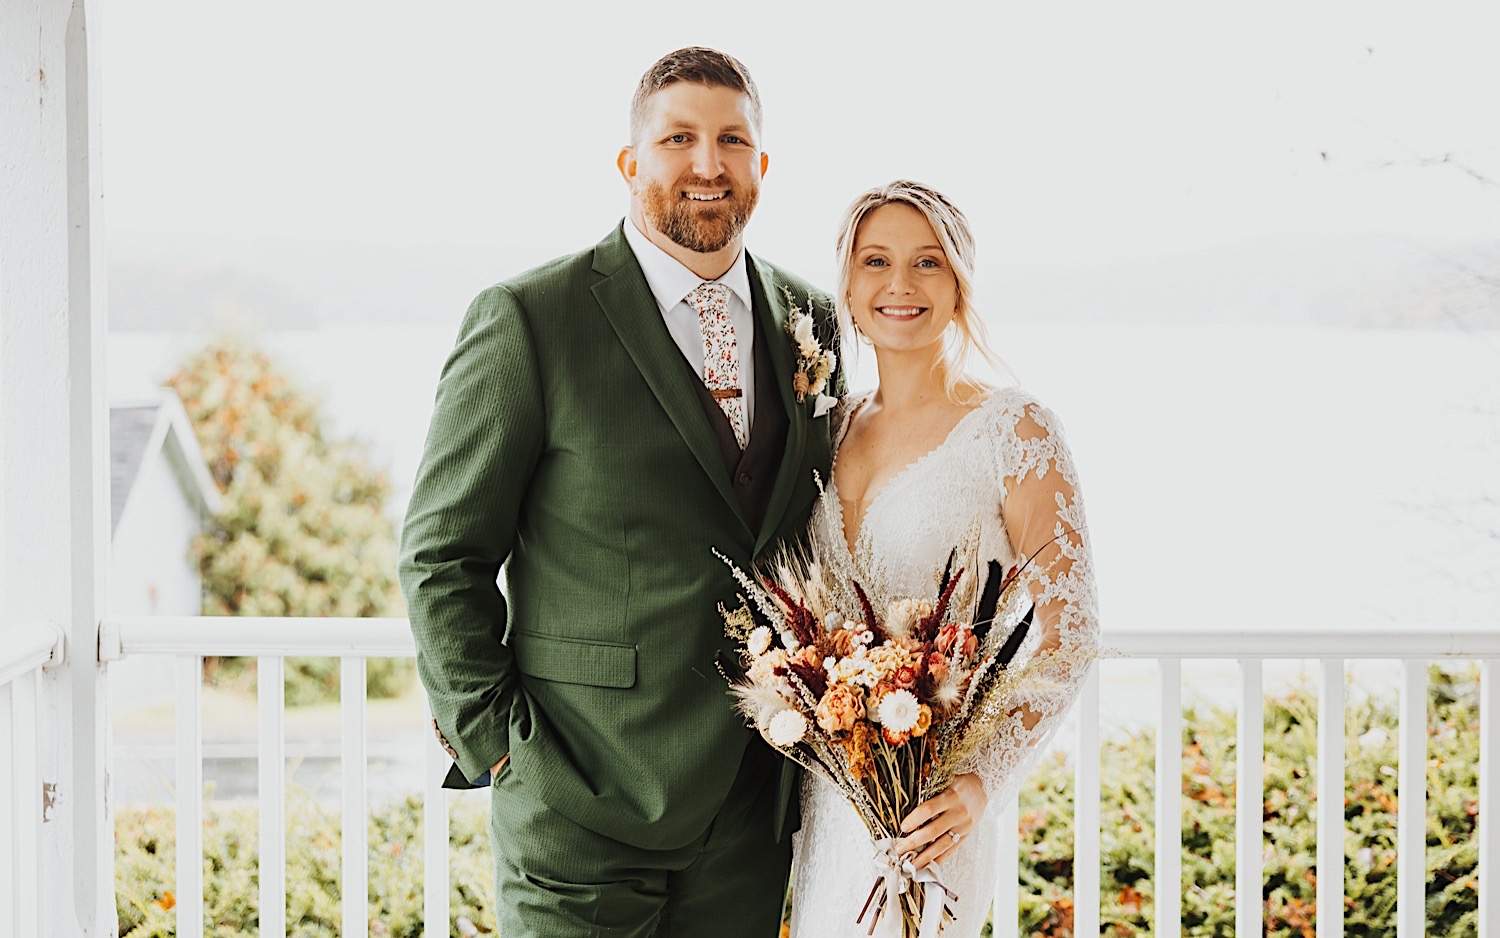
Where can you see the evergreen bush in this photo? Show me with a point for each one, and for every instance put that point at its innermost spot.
(145, 860)
(303, 529)
(1289, 893)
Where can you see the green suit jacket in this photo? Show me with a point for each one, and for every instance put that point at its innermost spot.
(569, 448)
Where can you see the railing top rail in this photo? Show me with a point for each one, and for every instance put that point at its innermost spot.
(391, 638)
(255, 635)
(1351, 642)
(28, 647)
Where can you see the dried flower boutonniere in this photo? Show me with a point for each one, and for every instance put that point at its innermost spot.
(815, 364)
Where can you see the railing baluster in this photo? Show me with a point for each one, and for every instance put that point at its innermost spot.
(1411, 815)
(1086, 811)
(192, 637)
(1006, 908)
(10, 820)
(355, 880)
(1489, 809)
(270, 688)
(1249, 803)
(24, 652)
(435, 875)
(1169, 799)
(28, 786)
(189, 796)
(1330, 897)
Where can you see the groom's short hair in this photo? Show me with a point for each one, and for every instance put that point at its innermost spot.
(699, 65)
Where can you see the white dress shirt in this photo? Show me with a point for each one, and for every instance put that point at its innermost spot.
(671, 282)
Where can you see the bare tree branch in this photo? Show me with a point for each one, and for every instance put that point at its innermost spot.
(1445, 160)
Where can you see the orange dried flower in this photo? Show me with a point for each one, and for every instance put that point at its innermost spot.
(924, 720)
(895, 739)
(857, 748)
(840, 709)
(954, 634)
(937, 667)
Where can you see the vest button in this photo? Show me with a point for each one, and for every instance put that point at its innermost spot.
(743, 479)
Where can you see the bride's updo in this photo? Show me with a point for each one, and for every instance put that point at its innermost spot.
(966, 335)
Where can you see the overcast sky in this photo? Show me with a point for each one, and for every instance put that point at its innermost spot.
(1069, 132)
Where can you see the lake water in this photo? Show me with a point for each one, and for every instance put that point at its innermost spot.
(1233, 475)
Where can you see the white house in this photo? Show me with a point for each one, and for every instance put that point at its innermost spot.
(161, 494)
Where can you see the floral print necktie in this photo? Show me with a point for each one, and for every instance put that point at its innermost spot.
(721, 355)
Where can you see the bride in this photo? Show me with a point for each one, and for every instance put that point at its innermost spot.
(929, 459)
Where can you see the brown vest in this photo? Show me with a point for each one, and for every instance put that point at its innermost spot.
(752, 471)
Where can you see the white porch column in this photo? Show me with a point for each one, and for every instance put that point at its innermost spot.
(54, 512)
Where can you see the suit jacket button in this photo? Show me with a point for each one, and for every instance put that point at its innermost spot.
(744, 478)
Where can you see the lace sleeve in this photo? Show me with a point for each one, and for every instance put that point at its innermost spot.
(1042, 511)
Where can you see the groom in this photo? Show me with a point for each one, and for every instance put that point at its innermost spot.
(604, 423)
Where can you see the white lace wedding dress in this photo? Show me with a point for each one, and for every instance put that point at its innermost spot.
(1001, 486)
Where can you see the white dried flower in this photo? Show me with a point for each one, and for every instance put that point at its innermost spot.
(902, 615)
(789, 640)
(802, 331)
(899, 711)
(833, 620)
(762, 669)
(855, 670)
(758, 641)
(788, 727)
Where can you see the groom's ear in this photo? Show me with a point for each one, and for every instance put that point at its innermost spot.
(765, 161)
(627, 165)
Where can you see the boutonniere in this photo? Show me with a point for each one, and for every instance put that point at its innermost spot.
(814, 363)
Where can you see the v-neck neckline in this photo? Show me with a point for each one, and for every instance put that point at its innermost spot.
(833, 483)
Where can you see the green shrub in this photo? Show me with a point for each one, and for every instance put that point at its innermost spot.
(302, 530)
(145, 869)
(1289, 889)
(145, 858)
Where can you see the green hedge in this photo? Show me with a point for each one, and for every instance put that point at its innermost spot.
(145, 855)
(145, 864)
(1290, 822)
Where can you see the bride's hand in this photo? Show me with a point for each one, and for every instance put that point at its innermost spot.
(936, 826)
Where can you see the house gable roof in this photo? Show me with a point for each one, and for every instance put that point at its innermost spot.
(149, 428)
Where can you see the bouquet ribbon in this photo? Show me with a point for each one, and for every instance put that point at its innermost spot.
(897, 874)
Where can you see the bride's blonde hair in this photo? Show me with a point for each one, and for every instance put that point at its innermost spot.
(966, 334)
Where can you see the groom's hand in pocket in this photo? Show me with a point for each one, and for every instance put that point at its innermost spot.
(937, 826)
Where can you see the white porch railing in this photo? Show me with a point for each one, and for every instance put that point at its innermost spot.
(354, 640)
(24, 653)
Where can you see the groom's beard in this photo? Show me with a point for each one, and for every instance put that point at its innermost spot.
(704, 227)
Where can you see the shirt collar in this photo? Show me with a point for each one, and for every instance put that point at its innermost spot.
(670, 281)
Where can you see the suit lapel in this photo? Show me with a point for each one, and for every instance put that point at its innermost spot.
(632, 311)
(771, 314)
